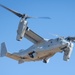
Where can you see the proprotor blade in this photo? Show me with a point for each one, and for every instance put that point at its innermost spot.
(16, 13)
(39, 17)
(44, 17)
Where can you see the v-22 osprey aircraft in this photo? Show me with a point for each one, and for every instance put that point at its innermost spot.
(42, 49)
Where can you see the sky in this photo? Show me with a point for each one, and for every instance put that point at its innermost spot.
(62, 23)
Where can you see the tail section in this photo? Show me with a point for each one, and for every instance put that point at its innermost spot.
(3, 50)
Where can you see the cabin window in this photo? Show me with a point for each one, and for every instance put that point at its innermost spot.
(48, 45)
(51, 41)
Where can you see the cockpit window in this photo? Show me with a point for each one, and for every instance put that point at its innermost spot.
(60, 38)
(57, 39)
(51, 40)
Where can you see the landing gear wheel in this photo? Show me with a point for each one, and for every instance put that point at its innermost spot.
(32, 54)
(44, 61)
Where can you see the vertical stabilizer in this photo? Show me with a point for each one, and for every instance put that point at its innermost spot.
(3, 50)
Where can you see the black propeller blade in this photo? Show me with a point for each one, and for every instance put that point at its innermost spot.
(22, 15)
(43, 17)
(16, 13)
(38, 17)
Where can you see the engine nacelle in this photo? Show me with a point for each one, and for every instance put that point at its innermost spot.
(21, 30)
(67, 53)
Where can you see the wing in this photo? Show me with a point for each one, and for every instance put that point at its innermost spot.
(33, 37)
